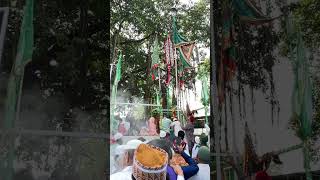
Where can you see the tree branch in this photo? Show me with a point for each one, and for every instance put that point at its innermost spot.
(137, 40)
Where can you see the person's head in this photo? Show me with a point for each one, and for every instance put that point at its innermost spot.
(181, 134)
(169, 114)
(162, 144)
(117, 116)
(163, 134)
(203, 139)
(204, 155)
(126, 153)
(150, 162)
(126, 159)
(118, 138)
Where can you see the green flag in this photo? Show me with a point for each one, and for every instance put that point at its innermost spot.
(23, 57)
(155, 59)
(183, 46)
(205, 92)
(248, 12)
(114, 123)
(118, 70)
(169, 97)
(205, 96)
(302, 91)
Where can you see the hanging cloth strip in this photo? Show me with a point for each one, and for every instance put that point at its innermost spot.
(205, 96)
(155, 59)
(302, 91)
(184, 49)
(169, 58)
(114, 123)
(247, 13)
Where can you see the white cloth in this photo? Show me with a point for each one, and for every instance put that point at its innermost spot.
(186, 149)
(125, 174)
(203, 173)
(162, 134)
(195, 150)
(132, 144)
(180, 177)
(176, 127)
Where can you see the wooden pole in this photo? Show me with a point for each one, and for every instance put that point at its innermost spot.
(5, 11)
(213, 86)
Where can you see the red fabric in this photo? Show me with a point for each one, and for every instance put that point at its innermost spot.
(262, 175)
(112, 140)
(192, 119)
(168, 58)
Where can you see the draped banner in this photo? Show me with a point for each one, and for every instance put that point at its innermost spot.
(15, 84)
(169, 58)
(247, 12)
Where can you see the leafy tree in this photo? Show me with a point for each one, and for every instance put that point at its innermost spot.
(71, 62)
(133, 31)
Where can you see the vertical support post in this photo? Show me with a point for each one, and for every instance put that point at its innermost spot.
(213, 87)
(3, 28)
(177, 83)
(306, 158)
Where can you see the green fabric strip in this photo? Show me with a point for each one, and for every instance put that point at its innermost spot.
(14, 89)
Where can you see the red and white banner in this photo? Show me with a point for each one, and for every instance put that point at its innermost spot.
(169, 58)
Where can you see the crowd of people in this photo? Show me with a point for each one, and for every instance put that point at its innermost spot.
(154, 160)
(175, 155)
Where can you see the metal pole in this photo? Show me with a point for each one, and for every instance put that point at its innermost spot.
(135, 104)
(213, 85)
(19, 97)
(19, 131)
(159, 80)
(177, 84)
(111, 68)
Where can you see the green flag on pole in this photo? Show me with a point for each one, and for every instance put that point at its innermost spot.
(169, 97)
(155, 59)
(183, 46)
(14, 89)
(302, 91)
(205, 96)
(302, 101)
(23, 57)
(114, 123)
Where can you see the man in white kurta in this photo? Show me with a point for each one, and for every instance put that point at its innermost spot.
(126, 160)
(204, 168)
